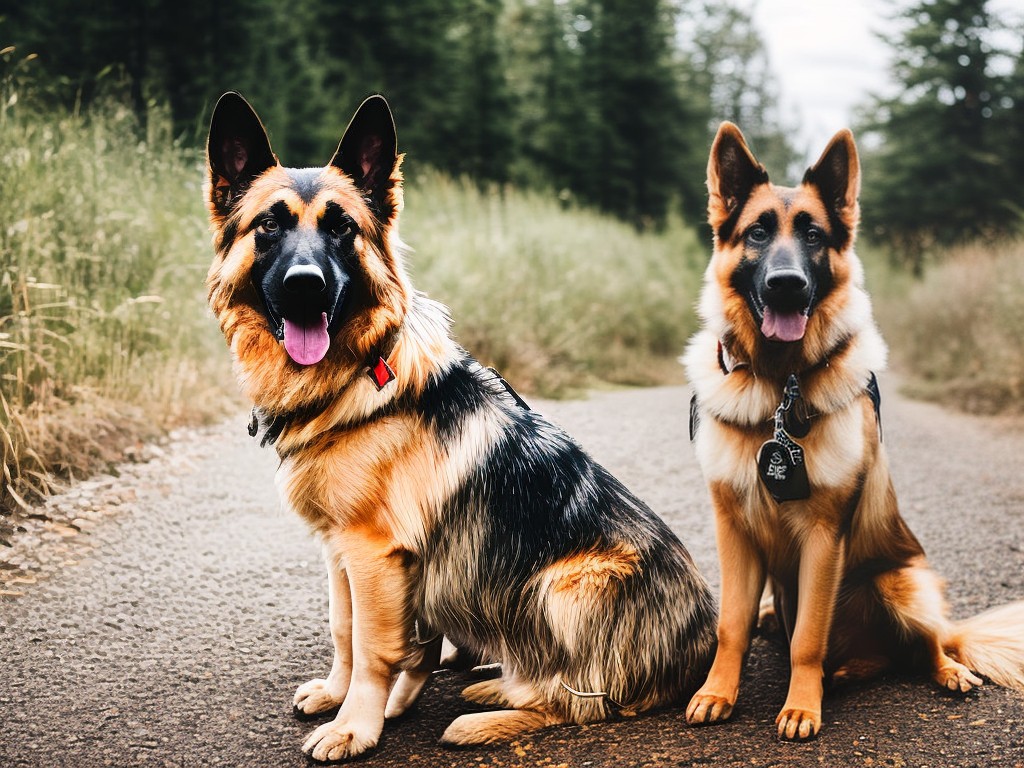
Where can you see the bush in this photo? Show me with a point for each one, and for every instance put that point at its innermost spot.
(957, 334)
(557, 298)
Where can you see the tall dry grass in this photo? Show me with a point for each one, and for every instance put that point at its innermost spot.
(104, 338)
(556, 298)
(957, 334)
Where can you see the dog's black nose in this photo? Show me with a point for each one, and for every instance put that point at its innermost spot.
(786, 280)
(304, 278)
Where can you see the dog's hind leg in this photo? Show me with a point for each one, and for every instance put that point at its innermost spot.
(321, 695)
(412, 680)
(487, 692)
(914, 596)
(490, 727)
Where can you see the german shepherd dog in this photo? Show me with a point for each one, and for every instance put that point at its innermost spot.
(442, 501)
(787, 352)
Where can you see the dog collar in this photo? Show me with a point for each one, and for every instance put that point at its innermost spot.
(804, 413)
(377, 368)
(727, 363)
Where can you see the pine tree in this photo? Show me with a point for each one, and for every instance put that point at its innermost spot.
(938, 176)
(733, 61)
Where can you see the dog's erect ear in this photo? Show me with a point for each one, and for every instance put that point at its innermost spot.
(368, 151)
(237, 151)
(732, 173)
(837, 177)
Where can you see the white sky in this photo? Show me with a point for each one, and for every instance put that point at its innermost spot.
(827, 59)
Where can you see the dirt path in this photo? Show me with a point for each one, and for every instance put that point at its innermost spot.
(174, 629)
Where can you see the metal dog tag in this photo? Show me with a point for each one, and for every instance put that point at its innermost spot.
(782, 470)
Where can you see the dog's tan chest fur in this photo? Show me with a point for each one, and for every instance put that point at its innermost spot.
(839, 450)
(391, 474)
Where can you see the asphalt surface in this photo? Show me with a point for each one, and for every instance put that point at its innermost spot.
(170, 618)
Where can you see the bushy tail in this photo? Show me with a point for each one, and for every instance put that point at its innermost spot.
(992, 644)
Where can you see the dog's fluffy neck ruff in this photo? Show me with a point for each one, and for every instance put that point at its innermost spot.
(421, 347)
(834, 366)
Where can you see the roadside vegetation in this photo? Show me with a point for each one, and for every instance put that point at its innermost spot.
(103, 335)
(957, 333)
(570, 260)
(558, 299)
(105, 339)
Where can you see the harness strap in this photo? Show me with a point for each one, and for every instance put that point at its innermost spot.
(728, 363)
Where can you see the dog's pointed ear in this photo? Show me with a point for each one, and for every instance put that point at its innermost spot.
(368, 151)
(733, 172)
(837, 178)
(237, 151)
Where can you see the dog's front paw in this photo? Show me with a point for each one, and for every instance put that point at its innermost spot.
(797, 724)
(954, 676)
(706, 708)
(318, 696)
(341, 739)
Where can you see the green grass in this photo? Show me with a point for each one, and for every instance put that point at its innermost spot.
(957, 334)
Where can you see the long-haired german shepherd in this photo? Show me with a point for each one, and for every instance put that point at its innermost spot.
(788, 436)
(443, 502)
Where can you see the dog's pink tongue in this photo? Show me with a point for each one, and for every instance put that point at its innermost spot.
(783, 326)
(306, 344)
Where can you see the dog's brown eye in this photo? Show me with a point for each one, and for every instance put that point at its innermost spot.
(269, 225)
(757, 234)
(814, 236)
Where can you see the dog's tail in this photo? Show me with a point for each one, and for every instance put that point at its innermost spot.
(992, 644)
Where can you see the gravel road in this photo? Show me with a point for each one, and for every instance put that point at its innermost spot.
(165, 616)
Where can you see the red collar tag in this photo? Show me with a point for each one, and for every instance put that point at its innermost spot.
(381, 374)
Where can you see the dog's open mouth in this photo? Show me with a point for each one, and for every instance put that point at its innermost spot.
(779, 325)
(307, 342)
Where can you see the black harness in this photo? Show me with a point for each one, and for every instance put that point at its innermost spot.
(780, 460)
(272, 424)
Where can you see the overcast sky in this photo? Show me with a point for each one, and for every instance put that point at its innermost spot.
(827, 58)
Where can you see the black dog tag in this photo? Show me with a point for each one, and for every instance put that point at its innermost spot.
(782, 471)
